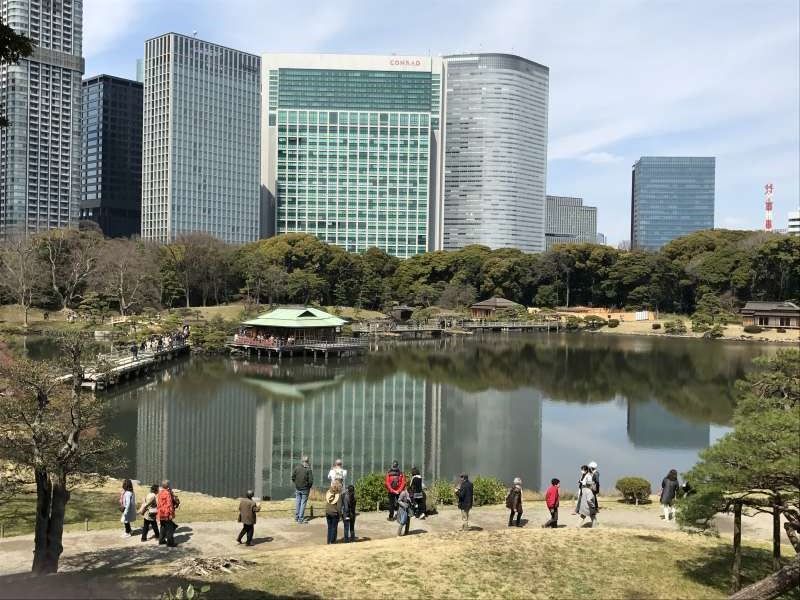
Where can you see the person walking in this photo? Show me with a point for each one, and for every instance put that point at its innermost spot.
(166, 505)
(669, 489)
(395, 483)
(303, 478)
(349, 513)
(551, 499)
(514, 502)
(333, 510)
(247, 517)
(587, 506)
(417, 492)
(127, 505)
(403, 511)
(595, 482)
(149, 511)
(464, 496)
(338, 473)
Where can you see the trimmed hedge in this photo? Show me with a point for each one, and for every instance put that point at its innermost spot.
(613, 322)
(488, 490)
(752, 329)
(634, 489)
(656, 326)
(676, 327)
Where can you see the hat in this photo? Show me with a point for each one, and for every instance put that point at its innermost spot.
(517, 481)
(592, 465)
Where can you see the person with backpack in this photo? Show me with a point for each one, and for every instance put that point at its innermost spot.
(166, 505)
(669, 489)
(303, 478)
(514, 502)
(149, 511)
(464, 496)
(403, 511)
(395, 483)
(551, 499)
(349, 513)
(247, 517)
(338, 472)
(127, 506)
(595, 472)
(418, 494)
(333, 510)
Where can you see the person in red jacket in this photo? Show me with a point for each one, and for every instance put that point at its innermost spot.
(166, 503)
(551, 500)
(395, 483)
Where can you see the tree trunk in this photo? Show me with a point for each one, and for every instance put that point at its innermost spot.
(776, 534)
(55, 525)
(43, 502)
(736, 572)
(773, 586)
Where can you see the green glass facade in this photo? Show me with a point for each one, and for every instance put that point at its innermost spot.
(353, 155)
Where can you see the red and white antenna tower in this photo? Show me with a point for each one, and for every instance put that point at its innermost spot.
(768, 207)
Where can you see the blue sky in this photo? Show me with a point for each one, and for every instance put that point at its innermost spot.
(627, 77)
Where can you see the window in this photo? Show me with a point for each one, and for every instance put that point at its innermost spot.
(763, 320)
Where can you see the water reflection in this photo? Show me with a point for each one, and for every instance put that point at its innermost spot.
(529, 406)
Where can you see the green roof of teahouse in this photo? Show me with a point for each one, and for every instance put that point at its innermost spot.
(295, 318)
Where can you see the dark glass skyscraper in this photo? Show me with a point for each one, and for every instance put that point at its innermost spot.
(671, 196)
(111, 190)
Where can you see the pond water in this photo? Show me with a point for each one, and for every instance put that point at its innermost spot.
(535, 406)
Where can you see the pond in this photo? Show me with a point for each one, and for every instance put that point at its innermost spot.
(535, 406)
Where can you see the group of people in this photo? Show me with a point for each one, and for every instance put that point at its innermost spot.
(157, 343)
(157, 511)
(267, 341)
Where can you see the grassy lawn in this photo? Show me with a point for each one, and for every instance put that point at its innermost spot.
(100, 506)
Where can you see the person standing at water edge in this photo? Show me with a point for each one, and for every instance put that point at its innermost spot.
(333, 510)
(166, 504)
(551, 499)
(464, 495)
(514, 502)
(669, 489)
(395, 483)
(127, 505)
(303, 478)
(349, 513)
(247, 517)
(338, 472)
(149, 511)
(595, 482)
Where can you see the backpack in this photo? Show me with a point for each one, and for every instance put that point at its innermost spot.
(510, 499)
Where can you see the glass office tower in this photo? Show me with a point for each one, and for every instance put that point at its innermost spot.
(200, 166)
(40, 150)
(671, 196)
(112, 154)
(495, 156)
(350, 149)
(570, 222)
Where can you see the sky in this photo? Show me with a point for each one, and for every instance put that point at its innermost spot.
(628, 78)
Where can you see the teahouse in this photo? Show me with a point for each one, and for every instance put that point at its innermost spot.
(287, 327)
(772, 314)
(487, 308)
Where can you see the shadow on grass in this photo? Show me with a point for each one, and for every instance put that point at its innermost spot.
(714, 568)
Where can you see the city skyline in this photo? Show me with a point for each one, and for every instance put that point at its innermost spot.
(599, 124)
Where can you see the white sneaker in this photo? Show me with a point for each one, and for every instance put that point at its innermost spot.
(126, 535)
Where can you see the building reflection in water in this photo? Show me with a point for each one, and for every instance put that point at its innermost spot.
(650, 425)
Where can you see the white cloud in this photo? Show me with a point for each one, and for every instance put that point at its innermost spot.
(601, 158)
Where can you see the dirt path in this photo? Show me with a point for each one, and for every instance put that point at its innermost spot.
(106, 548)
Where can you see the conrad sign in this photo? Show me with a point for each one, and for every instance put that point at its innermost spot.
(405, 62)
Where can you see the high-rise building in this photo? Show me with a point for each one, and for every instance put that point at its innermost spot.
(793, 227)
(671, 196)
(112, 154)
(200, 155)
(40, 150)
(351, 149)
(601, 239)
(570, 222)
(495, 157)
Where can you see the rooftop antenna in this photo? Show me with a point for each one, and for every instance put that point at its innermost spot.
(768, 207)
(194, 33)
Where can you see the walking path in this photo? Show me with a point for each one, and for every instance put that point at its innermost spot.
(106, 548)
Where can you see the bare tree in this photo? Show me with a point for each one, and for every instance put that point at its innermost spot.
(19, 270)
(128, 272)
(72, 257)
(51, 433)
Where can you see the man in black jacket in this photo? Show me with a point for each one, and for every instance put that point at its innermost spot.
(303, 478)
(464, 495)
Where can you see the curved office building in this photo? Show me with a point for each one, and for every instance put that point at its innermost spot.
(495, 152)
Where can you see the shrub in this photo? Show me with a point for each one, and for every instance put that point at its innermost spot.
(781, 330)
(488, 490)
(370, 490)
(633, 489)
(700, 326)
(440, 492)
(573, 322)
(676, 327)
(594, 322)
(716, 331)
(752, 329)
(656, 325)
(613, 322)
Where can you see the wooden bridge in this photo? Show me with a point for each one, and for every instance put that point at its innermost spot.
(116, 367)
(451, 327)
(341, 346)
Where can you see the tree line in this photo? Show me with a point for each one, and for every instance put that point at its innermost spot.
(80, 269)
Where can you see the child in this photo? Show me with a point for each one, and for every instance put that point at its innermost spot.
(514, 502)
(404, 511)
(349, 514)
(551, 500)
